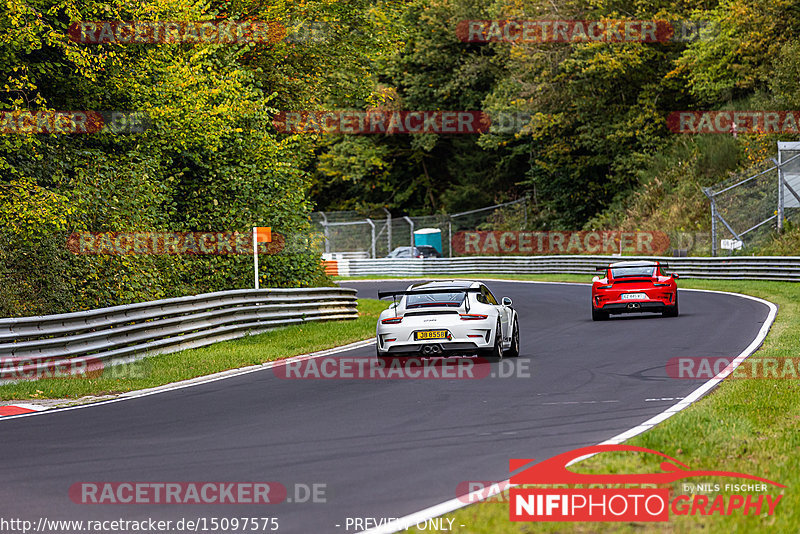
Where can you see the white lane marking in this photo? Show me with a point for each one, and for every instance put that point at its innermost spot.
(478, 495)
(201, 379)
(662, 399)
(577, 402)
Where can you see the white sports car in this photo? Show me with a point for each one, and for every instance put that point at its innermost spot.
(447, 317)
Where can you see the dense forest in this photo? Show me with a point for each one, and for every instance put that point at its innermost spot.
(594, 149)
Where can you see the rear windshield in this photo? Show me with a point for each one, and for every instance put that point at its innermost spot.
(626, 272)
(445, 298)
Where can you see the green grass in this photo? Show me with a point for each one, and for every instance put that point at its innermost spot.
(748, 426)
(168, 368)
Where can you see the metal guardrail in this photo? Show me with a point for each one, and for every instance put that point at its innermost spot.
(120, 334)
(782, 268)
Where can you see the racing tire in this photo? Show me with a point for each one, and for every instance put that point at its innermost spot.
(513, 350)
(671, 311)
(382, 356)
(496, 352)
(598, 315)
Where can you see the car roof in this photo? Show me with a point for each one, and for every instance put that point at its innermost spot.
(444, 284)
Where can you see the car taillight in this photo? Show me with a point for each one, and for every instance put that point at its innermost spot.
(472, 317)
(604, 287)
(391, 320)
(660, 285)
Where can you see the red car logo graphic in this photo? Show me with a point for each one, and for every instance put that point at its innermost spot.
(554, 470)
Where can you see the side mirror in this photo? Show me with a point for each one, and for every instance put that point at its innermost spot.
(507, 301)
(675, 276)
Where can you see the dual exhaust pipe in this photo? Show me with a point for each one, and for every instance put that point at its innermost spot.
(431, 349)
(634, 306)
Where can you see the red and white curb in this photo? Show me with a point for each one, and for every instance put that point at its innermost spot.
(19, 409)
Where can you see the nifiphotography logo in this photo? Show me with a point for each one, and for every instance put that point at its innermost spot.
(617, 503)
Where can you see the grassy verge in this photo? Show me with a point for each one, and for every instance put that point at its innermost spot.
(167, 368)
(748, 426)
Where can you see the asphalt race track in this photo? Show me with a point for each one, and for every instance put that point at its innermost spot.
(381, 448)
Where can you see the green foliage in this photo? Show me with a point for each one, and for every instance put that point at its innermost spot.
(594, 151)
(596, 143)
(210, 162)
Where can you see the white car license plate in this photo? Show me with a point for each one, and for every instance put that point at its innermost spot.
(634, 296)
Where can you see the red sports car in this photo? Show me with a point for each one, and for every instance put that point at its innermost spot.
(634, 287)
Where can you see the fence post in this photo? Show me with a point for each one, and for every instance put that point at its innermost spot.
(411, 225)
(710, 194)
(389, 230)
(713, 227)
(372, 231)
(450, 238)
(325, 231)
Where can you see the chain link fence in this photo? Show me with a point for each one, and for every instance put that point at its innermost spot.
(747, 208)
(348, 235)
(357, 235)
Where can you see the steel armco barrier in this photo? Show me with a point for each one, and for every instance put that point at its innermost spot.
(782, 268)
(121, 334)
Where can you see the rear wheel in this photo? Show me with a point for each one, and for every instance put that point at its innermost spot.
(496, 352)
(671, 311)
(513, 351)
(598, 315)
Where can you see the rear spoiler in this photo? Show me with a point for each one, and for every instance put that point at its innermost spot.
(661, 264)
(393, 294)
